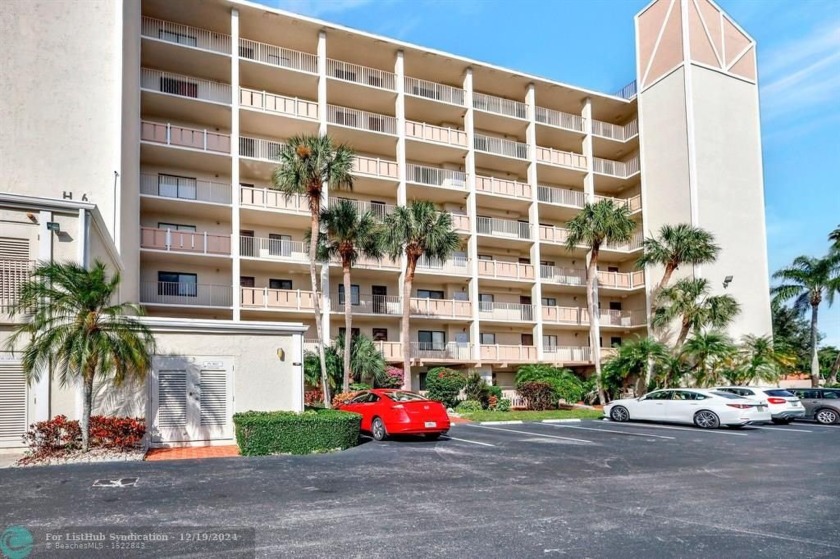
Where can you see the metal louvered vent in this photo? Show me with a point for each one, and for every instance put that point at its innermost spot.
(172, 390)
(213, 398)
(14, 249)
(12, 401)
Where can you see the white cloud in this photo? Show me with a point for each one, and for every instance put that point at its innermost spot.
(318, 8)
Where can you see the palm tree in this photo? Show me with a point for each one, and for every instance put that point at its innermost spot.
(366, 360)
(603, 222)
(689, 301)
(677, 245)
(416, 230)
(348, 235)
(759, 359)
(708, 354)
(834, 237)
(808, 281)
(307, 164)
(73, 327)
(637, 358)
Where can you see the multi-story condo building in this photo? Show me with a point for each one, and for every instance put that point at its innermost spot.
(169, 115)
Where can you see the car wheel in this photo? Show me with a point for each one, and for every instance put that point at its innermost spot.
(619, 413)
(826, 416)
(377, 429)
(782, 421)
(706, 419)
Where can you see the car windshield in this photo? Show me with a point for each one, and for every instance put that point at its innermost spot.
(400, 396)
(779, 393)
(725, 394)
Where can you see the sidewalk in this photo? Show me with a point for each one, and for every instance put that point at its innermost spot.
(191, 453)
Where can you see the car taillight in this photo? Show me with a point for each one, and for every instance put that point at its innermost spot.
(740, 406)
(776, 400)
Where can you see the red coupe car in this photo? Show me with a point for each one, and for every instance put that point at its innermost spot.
(398, 412)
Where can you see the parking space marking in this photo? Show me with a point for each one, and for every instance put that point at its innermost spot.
(531, 433)
(610, 431)
(693, 430)
(465, 441)
(788, 429)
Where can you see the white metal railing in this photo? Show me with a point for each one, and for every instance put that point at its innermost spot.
(563, 276)
(635, 243)
(384, 263)
(364, 165)
(438, 134)
(562, 158)
(516, 399)
(503, 187)
(273, 249)
(260, 148)
(278, 56)
(184, 241)
(567, 354)
(268, 198)
(561, 196)
(505, 311)
(457, 265)
(361, 120)
(185, 294)
(499, 105)
(184, 86)
(433, 90)
(278, 104)
(615, 131)
(378, 209)
(369, 304)
(180, 136)
(633, 203)
(435, 176)
(503, 227)
(13, 274)
(505, 270)
(559, 119)
(442, 308)
(516, 353)
(361, 74)
(185, 35)
(276, 299)
(621, 169)
(553, 234)
(621, 280)
(455, 351)
(184, 188)
(628, 91)
(501, 146)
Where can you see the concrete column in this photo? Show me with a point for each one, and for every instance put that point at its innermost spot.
(534, 217)
(234, 169)
(325, 191)
(586, 147)
(40, 391)
(297, 371)
(472, 243)
(402, 189)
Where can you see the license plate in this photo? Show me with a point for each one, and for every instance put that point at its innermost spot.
(430, 424)
(794, 403)
(762, 408)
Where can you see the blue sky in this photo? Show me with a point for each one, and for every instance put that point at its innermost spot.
(590, 43)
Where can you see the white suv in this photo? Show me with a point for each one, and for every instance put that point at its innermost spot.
(784, 406)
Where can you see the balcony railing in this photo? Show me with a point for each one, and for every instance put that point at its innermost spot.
(433, 90)
(361, 120)
(563, 276)
(553, 234)
(361, 74)
(505, 270)
(614, 131)
(438, 134)
(561, 158)
(273, 249)
(634, 203)
(378, 209)
(503, 228)
(184, 241)
(620, 169)
(635, 243)
(567, 354)
(503, 187)
(561, 196)
(13, 274)
(260, 148)
(277, 104)
(580, 316)
(456, 265)
(621, 280)
(460, 222)
(507, 353)
(370, 304)
(276, 299)
(435, 176)
(577, 276)
(384, 263)
(185, 35)
(501, 146)
(184, 188)
(179, 136)
(559, 119)
(374, 166)
(185, 294)
(184, 86)
(609, 317)
(499, 105)
(440, 308)
(268, 198)
(278, 56)
(628, 91)
(565, 315)
(450, 351)
(506, 311)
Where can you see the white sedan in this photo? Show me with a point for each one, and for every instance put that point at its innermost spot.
(708, 409)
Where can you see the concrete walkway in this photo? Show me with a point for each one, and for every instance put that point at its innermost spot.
(8, 459)
(191, 453)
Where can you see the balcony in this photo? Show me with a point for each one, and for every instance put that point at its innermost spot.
(271, 249)
(361, 120)
(375, 167)
(370, 304)
(270, 199)
(621, 280)
(384, 263)
(506, 228)
(634, 244)
(622, 318)
(506, 312)
(185, 35)
(619, 169)
(580, 317)
(278, 56)
(432, 351)
(260, 149)
(185, 294)
(184, 188)
(436, 134)
(13, 274)
(563, 276)
(436, 176)
(460, 222)
(455, 266)
(182, 137)
(561, 196)
(503, 187)
(634, 203)
(559, 119)
(553, 234)
(501, 146)
(499, 105)
(276, 299)
(361, 75)
(277, 104)
(560, 158)
(567, 354)
(508, 353)
(498, 269)
(435, 91)
(440, 308)
(378, 209)
(614, 131)
(565, 315)
(192, 242)
(608, 280)
(628, 91)
(180, 85)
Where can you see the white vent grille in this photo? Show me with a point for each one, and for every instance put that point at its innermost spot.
(14, 249)
(12, 401)
(213, 398)
(172, 394)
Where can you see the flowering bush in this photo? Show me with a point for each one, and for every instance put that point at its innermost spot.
(540, 395)
(60, 435)
(342, 398)
(444, 385)
(393, 378)
(313, 397)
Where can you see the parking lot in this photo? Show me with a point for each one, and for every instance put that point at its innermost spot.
(586, 489)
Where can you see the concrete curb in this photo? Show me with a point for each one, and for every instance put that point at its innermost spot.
(561, 420)
(511, 422)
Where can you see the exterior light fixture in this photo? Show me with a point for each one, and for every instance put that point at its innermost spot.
(726, 281)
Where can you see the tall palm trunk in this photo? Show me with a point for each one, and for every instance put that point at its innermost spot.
(348, 322)
(594, 320)
(832, 374)
(685, 328)
(666, 277)
(87, 403)
(406, 320)
(815, 362)
(315, 226)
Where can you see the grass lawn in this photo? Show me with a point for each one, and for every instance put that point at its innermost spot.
(532, 415)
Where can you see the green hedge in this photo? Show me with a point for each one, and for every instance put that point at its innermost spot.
(280, 432)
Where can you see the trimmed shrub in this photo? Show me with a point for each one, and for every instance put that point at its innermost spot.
(540, 395)
(393, 378)
(495, 391)
(566, 384)
(502, 405)
(468, 406)
(59, 435)
(282, 432)
(443, 385)
(476, 389)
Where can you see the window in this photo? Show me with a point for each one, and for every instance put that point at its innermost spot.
(687, 395)
(485, 257)
(423, 91)
(375, 81)
(246, 243)
(279, 60)
(549, 263)
(354, 332)
(345, 74)
(659, 395)
(549, 302)
(180, 38)
(354, 295)
(527, 339)
(615, 305)
(487, 338)
(380, 334)
(279, 245)
(550, 343)
(172, 186)
(615, 341)
(176, 226)
(376, 123)
(524, 260)
(779, 392)
(178, 87)
(280, 284)
(177, 284)
(434, 340)
(485, 302)
(429, 294)
(247, 281)
(612, 268)
(422, 377)
(830, 395)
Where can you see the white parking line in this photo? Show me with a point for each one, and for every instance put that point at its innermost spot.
(788, 429)
(610, 431)
(465, 441)
(530, 433)
(693, 430)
